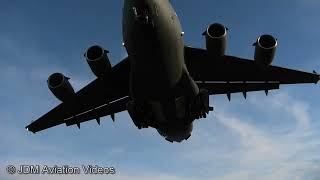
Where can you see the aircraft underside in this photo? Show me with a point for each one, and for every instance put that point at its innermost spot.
(163, 83)
(172, 118)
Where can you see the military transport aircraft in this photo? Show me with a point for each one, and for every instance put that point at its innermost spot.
(163, 83)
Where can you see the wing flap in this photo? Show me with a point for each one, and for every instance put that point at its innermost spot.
(235, 87)
(104, 110)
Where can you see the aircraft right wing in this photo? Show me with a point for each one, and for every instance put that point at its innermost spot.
(229, 74)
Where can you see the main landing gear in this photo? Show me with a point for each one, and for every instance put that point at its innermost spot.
(140, 117)
(199, 107)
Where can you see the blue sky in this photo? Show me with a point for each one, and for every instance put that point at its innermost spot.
(274, 137)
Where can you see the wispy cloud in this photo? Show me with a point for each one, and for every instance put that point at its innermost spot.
(238, 147)
(283, 103)
(263, 138)
(252, 152)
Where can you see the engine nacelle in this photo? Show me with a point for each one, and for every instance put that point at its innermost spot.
(216, 39)
(265, 49)
(98, 60)
(60, 86)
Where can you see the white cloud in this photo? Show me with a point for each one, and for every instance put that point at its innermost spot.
(270, 156)
(283, 103)
(254, 141)
(243, 148)
(257, 152)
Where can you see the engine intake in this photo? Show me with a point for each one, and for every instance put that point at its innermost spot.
(265, 49)
(98, 60)
(60, 86)
(216, 39)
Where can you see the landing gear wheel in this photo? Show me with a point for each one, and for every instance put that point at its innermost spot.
(138, 116)
(200, 106)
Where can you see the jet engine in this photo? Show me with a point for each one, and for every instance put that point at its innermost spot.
(98, 60)
(216, 39)
(60, 86)
(265, 49)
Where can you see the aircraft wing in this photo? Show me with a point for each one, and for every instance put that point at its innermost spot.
(101, 97)
(228, 74)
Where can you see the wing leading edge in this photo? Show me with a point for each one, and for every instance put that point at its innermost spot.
(101, 97)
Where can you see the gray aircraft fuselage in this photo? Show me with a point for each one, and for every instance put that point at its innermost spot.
(153, 38)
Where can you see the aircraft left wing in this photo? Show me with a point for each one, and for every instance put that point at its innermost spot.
(101, 97)
(229, 74)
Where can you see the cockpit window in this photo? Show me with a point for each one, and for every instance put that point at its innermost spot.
(141, 15)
